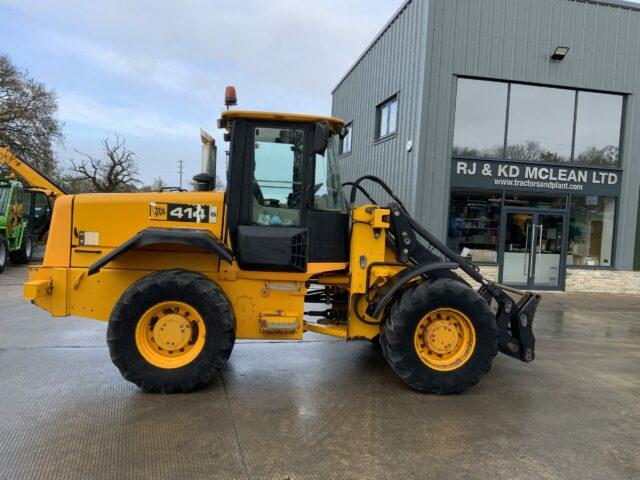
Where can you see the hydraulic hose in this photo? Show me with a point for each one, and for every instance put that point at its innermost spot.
(464, 264)
(380, 182)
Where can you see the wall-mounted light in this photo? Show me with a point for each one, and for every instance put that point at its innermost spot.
(560, 53)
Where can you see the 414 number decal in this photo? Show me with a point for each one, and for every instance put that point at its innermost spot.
(182, 212)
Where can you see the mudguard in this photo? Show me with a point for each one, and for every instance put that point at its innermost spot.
(198, 238)
(385, 293)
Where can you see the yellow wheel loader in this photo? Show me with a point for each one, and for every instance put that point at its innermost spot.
(180, 276)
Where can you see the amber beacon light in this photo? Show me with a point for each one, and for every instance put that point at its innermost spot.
(230, 97)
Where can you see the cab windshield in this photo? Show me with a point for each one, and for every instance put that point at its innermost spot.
(328, 186)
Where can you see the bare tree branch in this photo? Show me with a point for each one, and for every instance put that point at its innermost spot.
(116, 172)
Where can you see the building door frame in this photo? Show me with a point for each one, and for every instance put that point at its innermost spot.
(535, 213)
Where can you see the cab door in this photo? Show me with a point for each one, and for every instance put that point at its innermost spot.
(272, 232)
(39, 213)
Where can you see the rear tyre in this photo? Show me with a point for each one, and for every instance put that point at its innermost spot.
(440, 337)
(23, 254)
(3, 254)
(170, 331)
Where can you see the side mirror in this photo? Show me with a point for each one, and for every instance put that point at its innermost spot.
(321, 138)
(342, 133)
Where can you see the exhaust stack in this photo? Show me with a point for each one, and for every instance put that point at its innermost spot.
(206, 180)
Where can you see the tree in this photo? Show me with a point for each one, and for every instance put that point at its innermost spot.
(599, 156)
(156, 186)
(27, 117)
(117, 172)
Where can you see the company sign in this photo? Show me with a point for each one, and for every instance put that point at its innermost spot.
(534, 177)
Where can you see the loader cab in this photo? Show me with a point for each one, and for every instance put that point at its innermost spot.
(284, 198)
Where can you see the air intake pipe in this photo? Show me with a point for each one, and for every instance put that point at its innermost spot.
(206, 181)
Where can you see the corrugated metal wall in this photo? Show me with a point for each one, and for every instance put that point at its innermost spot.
(395, 63)
(501, 39)
(512, 40)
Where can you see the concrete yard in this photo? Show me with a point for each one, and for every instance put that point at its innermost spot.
(323, 408)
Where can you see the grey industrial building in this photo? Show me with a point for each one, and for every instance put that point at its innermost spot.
(512, 130)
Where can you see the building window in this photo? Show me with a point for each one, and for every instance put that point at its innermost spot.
(474, 225)
(345, 143)
(598, 126)
(387, 118)
(514, 121)
(591, 230)
(481, 113)
(540, 124)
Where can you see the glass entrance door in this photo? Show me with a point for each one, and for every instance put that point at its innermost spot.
(548, 253)
(532, 249)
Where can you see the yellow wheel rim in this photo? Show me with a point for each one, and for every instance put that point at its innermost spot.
(445, 339)
(170, 334)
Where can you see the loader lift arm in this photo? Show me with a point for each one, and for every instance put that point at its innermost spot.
(514, 320)
(36, 179)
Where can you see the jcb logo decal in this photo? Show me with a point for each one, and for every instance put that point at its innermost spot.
(158, 211)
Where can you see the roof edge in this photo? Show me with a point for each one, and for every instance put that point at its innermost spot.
(606, 3)
(613, 3)
(379, 35)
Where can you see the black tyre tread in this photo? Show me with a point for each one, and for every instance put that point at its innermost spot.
(402, 318)
(19, 257)
(6, 251)
(200, 372)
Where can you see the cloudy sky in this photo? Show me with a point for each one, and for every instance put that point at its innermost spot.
(155, 71)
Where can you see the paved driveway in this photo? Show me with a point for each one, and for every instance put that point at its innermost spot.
(323, 408)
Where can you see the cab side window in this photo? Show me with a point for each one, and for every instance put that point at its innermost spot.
(278, 175)
(25, 200)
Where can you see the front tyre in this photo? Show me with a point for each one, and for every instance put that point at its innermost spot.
(170, 331)
(440, 337)
(3, 254)
(23, 254)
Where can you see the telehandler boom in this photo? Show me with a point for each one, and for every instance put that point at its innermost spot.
(180, 276)
(36, 180)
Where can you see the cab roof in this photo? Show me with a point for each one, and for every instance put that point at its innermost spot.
(281, 117)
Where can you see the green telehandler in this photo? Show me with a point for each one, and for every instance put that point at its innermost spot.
(25, 212)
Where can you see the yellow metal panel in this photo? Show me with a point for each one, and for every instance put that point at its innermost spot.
(368, 243)
(34, 289)
(95, 296)
(159, 257)
(368, 246)
(250, 298)
(57, 253)
(54, 297)
(75, 293)
(112, 219)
